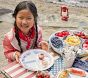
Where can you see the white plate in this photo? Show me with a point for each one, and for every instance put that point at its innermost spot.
(72, 75)
(30, 60)
(58, 50)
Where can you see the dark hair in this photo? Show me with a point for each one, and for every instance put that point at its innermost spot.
(21, 6)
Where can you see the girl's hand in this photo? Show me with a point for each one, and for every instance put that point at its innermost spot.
(44, 45)
(17, 55)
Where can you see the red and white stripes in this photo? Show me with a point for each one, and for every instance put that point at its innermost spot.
(15, 70)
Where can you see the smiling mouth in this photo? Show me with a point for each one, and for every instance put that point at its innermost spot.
(25, 26)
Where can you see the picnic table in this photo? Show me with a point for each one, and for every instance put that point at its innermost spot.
(15, 70)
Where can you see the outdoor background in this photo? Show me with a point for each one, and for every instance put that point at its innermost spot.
(49, 18)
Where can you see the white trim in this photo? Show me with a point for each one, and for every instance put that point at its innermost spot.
(12, 68)
(17, 72)
(25, 75)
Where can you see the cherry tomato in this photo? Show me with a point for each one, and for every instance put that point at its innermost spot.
(85, 46)
(86, 41)
(39, 74)
(60, 34)
(65, 32)
(46, 74)
(81, 33)
(83, 36)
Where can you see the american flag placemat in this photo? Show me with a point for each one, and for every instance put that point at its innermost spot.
(58, 65)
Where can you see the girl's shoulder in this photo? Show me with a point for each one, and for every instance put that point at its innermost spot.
(39, 28)
(10, 35)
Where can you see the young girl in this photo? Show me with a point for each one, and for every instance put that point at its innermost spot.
(25, 34)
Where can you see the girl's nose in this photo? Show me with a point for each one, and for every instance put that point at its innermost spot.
(24, 21)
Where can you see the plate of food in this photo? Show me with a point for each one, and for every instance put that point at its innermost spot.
(72, 73)
(56, 40)
(69, 38)
(36, 60)
(84, 42)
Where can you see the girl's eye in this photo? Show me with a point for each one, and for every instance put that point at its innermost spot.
(29, 18)
(21, 17)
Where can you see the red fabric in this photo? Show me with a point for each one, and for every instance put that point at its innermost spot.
(28, 37)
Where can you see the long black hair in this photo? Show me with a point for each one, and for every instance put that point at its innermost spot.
(21, 6)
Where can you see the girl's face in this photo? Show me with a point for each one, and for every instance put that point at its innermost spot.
(25, 20)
